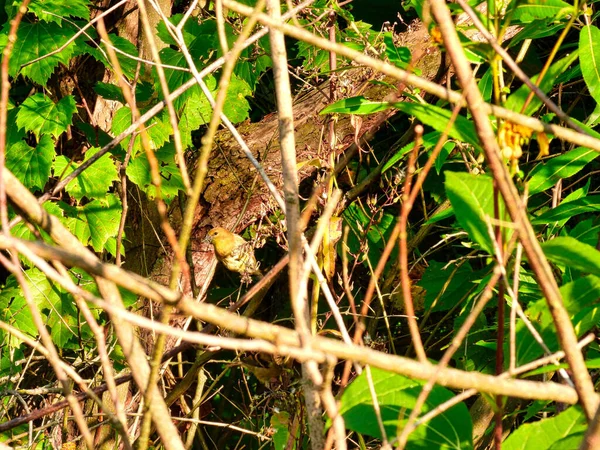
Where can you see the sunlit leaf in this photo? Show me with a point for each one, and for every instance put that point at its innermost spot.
(37, 39)
(543, 434)
(94, 182)
(566, 210)
(529, 10)
(546, 174)
(473, 204)
(355, 105)
(589, 46)
(570, 252)
(396, 395)
(31, 165)
(41, 115)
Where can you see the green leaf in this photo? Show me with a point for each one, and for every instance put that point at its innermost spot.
(541, 435)
(580, 298)
(190, 30)
(472, 200)
(251, 66)
(530, 10)
(589, 46)
(94, 182)
(35, 40)
(31, 165)
(568, 251)
(546, 174)
(196, 112)
(438, 118)
(536, 30)
(96, 222)
(109, 91)
(55, 10)
(41, 115)
(280, 423)
(396, 395)
(517, 99)
(236, 106)
(139, 172)
(14, 309)
(586, 231)
(355, 105)
(126, 52)
(158, 128)
(566, 210)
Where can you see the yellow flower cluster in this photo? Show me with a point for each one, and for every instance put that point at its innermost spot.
(511, 138)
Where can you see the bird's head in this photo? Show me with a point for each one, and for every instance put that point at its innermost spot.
(223, 240)
(216, 233)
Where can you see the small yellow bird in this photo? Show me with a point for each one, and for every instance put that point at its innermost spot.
(234, 252)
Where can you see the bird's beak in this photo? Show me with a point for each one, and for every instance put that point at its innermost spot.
(207, 239)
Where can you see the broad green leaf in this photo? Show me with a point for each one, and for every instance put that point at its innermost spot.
(546, 174)
(41, 115)
(11, 362)
(236, 106)
(280, 423)
(438, 118)
(56, 307)
(536, 30)
(14, 310)
(190, 30)
(158, 129)
(55, 10)
(109, 91)
(486, 85)
(573, 440)
(445, 151)
(196, 112)
(94, 182)
(530, 10)
(35, 40)
(543, 434)
(568, 251)
(396, 395)
(589, 46)
(577, 194)
(586, 231)
(355, 105)
(31, 165)
(96, 222)
(566, 210)
(472, 200)
(126, 52)
(517, 99)
(580, 298)
(253, 63)
(139, 172)
(144, 92)
(177, 77)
